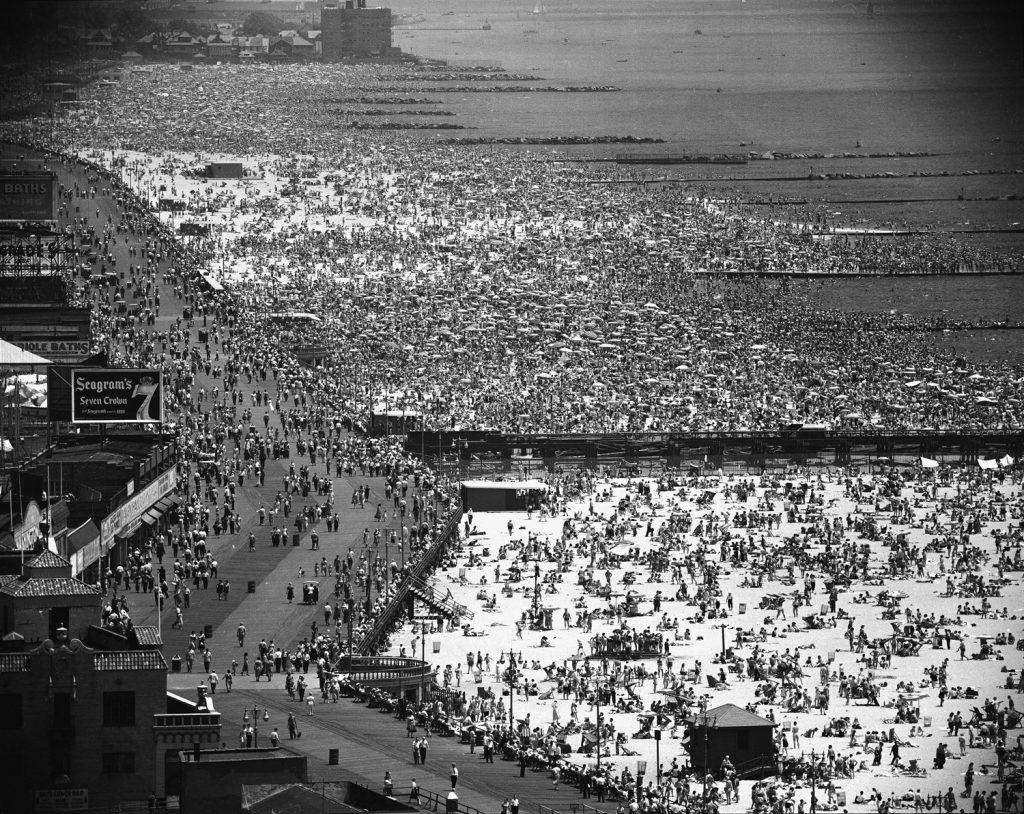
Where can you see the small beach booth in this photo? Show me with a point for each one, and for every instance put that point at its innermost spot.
(730, 730)
(502, 495)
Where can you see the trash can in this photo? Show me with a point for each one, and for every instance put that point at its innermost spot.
(176, 664)
(332, 757)
(252, 587)
(208, 631)
(295, 540)
(451, 805)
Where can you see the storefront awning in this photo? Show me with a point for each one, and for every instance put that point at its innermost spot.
(161, 507)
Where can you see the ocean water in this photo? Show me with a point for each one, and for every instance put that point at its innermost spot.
(706, 76)
(719, 76)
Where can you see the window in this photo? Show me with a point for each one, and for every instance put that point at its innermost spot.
(62, 709)
(10, 710)
(119, 763)
(119, 708)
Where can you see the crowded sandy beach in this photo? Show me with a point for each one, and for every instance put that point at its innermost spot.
(477, 293)
(869, 618)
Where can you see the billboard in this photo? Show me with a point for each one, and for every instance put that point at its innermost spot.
(116, 396)
(28, 196)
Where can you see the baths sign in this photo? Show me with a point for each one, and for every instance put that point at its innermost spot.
(28, 196)
(116, 396)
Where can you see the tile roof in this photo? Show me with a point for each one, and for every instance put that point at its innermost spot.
(47, 586)
(130, 660)
(729, 716)
(48, 559)
(148, 635)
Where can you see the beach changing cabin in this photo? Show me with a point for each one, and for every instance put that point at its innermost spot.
(731, 730)
(502, 495)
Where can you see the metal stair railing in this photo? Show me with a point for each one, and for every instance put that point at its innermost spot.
(444, 604)
(390, 614)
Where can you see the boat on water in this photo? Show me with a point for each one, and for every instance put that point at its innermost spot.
(486, 26)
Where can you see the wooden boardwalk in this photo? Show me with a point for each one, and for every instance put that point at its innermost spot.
(370, 742)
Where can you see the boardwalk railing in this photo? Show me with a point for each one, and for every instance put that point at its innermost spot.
(393, 612)
(369, 669)
(433, 801)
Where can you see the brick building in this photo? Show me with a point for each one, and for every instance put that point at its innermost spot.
(83, 709)
(355, 32)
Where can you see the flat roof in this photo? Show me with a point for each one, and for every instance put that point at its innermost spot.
(230, 755)
(526, 485)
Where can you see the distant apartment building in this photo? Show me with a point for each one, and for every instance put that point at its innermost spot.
(353, 31)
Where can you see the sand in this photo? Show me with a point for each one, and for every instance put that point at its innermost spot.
(495, 633)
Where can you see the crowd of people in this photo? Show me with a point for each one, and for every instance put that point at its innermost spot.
(832, 717)
(516, 294)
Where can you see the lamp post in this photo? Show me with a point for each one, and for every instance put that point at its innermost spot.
(255, 723)
(536, 588)
(657, 754)
(814, 782)
(423, 657)
(597, 695)
(722, 627)
(513, 677)
(458, 445)
(707, 769)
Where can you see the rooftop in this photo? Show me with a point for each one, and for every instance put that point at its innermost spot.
(46, 586)
(48, 559)
(730, 716)
(130, 660)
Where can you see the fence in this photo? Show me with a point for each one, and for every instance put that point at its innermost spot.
(393, 612)
(432, 801)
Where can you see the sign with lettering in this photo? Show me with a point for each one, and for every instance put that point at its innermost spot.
(28, 196)
(57, 350)
(62, 799)
(127, 517)
(122, 396)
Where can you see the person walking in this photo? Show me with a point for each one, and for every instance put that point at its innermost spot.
(513, 805)
(389, 784)
(423, 750)
(414, 792)
(214, 680)
(453, 775)
(310, 701)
